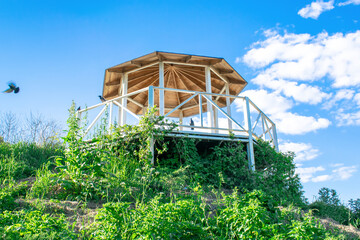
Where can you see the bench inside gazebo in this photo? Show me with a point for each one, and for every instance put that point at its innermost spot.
(200, 93)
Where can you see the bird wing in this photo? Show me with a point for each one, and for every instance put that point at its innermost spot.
(17, 90)
(8, 90)
(12, 86)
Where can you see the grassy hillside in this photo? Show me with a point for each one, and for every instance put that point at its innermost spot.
(109, 190)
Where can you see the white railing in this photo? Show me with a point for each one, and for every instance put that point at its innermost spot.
(224, 120)
(215, 121)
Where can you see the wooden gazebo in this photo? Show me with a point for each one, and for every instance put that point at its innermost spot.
(185, 85)
(172, 70)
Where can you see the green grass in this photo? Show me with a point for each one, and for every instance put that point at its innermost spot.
(188, 194)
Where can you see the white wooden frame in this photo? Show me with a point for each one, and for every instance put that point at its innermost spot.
(244, 133)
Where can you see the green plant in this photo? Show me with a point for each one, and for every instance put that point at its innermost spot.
(354, 206)
(34, 224)
(9, 192)
(328, 205)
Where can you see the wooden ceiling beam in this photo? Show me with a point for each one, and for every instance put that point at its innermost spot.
(196, 101)
(113, 83)
(196, 82)
(177, 93)
(142, 85)
(235, 81)
(213, 84)
(117, 70)
(224, 71)
(140, 78)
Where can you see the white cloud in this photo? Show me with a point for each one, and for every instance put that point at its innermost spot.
(340, 173)
(297, 67)
(322, 178)
(343, 173)
(299, 92)
(347, 119)
(303, 151)
(277, 107)
(355, 2)
(314, 9)
(270, 103)
(357, 99)
(308, 58)
(344, 94)
(292, 123)
(307, 174)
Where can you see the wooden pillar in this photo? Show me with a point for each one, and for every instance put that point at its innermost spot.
(161, 92)
(250, 145)
(210, 112)
(124, 100)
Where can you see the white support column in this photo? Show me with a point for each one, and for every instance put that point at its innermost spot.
(263, 127)
(119, 101)
(78, 116)
(216, 116)
(110, 116)
(228, 108)
(152, 150)
(124, 100)
(161, 92)
(250, 145)
(151, 97)
(210, 112)
(181, 116)
(201, 111)
(275, 140)
(151, 104)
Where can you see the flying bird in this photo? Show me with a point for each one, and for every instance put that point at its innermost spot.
(102, 98)
(192, 123)
(12, 88)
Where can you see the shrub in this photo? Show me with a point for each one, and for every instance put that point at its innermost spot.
(22, 159)
(237, 217)
(328, 205)
(9, 192)
(34, 225)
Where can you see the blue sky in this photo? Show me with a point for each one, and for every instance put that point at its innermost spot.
(301, 59)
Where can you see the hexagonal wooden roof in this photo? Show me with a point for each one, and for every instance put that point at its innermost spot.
(181, 71)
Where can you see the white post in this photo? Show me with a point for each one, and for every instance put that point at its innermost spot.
(161, 92)
(201, 111)
(78, 116)
(151, 97)
(228, 108)
(119, 101)
(151, 104)
(110, 116)
(275, 141)
(263, 126)
(208, 90)
(124, 100)
(181, 116)
(216, 116)
(250, 145)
